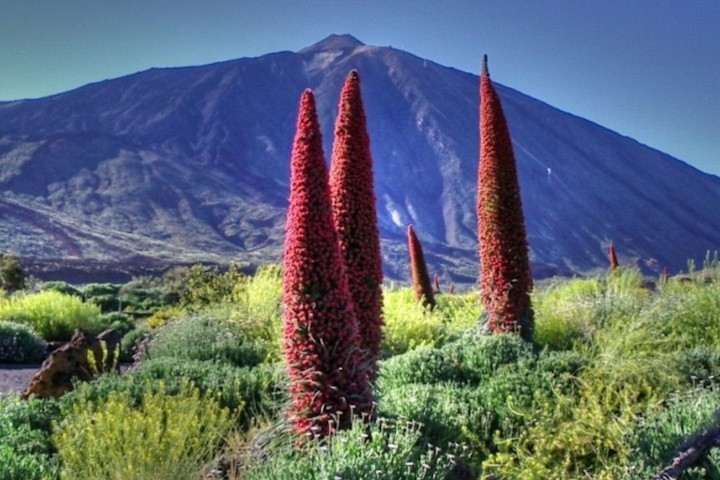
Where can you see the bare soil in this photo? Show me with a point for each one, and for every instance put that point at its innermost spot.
(14, 378)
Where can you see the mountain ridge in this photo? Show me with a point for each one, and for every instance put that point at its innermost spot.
(196, 158)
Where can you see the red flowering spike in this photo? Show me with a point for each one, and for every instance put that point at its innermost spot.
(353, 205)
(319, 325)
(505, 280)
(418, 270)
(612, 258)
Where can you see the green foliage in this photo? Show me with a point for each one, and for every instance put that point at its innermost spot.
(118, 321)
(203, 286)
(204, 336)
(469, 359)
(53, 315)
(104, 295)
(20, 344)
(12, 276)
(409, 325)
(164, 437)
(688, 313)
(655, 439)
(699, 366)
(256, 306)
(379, 449)
(26, 452)
(62, 287)
(143, 295)
(253, 393)
(130, 342)
(448, 412)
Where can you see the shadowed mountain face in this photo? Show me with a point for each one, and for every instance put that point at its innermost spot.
(191, 164)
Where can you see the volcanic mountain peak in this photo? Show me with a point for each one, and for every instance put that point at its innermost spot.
(197, 158)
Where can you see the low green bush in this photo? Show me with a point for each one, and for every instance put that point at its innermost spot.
(380, 449)
(253, 393)
(62, 287)
(699, 366)
(130, 342)
(104, 295)
(470, 359)
(20, 344)
(26, 450)
(119, 321)
(204, 336)
(53, 315)
(478, 357)
(422, 365)
(408, 325)
(448, 412)
(165, 436)
(655, 439)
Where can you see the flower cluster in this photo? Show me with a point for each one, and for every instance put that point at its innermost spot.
(353, 205)
(505, 280)
(320, 334)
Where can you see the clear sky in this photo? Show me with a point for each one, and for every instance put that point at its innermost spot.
(648, 69)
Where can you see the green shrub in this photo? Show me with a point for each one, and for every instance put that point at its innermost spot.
(422, 365)
(204, 336)
(253, 393)
(448, 412)
(20, 344)
(119, 321)
(12, 276)
(700, 366)
(654, 439)
(104, 295)
(53, 315)
(26, 452)
(165, 437)
(470, 359)
(688, 313)
(478, 357)
(380, 449)
(201, 286)
(62, 287)
(409, 325)
(142, 295)
(130, 341)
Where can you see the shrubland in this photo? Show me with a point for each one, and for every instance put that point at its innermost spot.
(617, 377)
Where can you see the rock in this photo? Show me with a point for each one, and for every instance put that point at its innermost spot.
(81, 358)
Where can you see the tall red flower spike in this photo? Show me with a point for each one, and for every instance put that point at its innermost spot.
(353, 205)
(418, 270)
(505, 280)
(319, 325)
(612, 258)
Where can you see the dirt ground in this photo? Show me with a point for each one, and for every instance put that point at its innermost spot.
(14, 378)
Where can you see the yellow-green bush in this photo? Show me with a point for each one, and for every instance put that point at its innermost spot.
(409, 325)
(53, 315)
(166, 437)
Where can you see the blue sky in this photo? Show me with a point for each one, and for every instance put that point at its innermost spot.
(648, 69)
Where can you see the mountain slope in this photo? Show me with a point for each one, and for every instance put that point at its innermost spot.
(190, 164)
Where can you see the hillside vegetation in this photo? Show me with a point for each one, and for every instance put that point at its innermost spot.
(618, 376)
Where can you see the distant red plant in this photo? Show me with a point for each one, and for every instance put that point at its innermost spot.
(505, 280)
(612, 258)
(353, 206)
(418, 271)
(319, 325)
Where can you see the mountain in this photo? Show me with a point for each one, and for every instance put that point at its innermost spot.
(179, 165)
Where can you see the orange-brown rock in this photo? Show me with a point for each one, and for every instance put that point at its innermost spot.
(81, 358)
